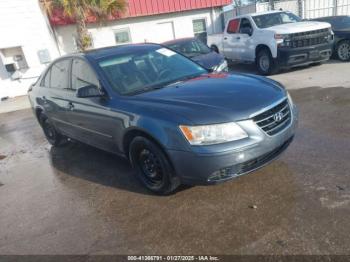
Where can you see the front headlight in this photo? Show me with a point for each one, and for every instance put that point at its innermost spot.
(213, 134)
(223, 67)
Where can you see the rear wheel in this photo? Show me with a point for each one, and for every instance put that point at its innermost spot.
(265, 63)
(343, 50)
(51, 134)
(152, 166)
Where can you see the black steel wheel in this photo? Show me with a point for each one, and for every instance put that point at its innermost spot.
(51, 134)
(265, 63)
(152, 166)
(343, 50)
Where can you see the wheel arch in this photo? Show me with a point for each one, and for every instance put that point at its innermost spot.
(131, 133)
(215, 48)
(261, 47)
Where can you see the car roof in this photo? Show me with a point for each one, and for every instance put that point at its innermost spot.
(116, 50)
(262, 13)
(329, 17)
(179, 40)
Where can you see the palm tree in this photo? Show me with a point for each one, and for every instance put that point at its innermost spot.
(79, 9)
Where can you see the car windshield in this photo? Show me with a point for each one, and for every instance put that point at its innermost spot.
(190, 48)
(268, 20)
(146, 70)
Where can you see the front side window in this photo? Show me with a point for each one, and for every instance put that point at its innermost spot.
(273, 19)
(82, 74)
(245, 24)
(59, 74)
(144, 70)
(191, 48)
(122, 36)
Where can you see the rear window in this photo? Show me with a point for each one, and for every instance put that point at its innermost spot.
(232, 27)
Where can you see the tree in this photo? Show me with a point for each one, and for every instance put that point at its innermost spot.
(79, 9)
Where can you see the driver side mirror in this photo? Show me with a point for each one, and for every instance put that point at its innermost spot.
(247, 31)
(89, 91)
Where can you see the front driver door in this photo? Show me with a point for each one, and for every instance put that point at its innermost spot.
(91, 119)
(245, 48)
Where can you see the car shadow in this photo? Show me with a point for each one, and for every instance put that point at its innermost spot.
(251, 68)
(85, 162)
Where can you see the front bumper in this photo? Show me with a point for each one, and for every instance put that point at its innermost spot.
(291, 57)
(197, 168)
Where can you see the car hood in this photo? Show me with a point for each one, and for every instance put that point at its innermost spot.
(214, 98)
(292, 28)
(209, 60)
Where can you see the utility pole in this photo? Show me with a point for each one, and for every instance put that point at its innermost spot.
(335, 7)
(300, 9)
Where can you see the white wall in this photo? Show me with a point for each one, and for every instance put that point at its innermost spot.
(142, 29)
(22, 24)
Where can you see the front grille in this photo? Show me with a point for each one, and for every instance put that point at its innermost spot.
(275, 119)
(310, 38)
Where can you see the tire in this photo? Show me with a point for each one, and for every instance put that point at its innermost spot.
(152, 166)
(343, 50)
(50, 132)
(265, 63)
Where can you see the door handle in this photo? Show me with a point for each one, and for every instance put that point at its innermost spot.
(70, 106)
(225, 38)
(238, 37)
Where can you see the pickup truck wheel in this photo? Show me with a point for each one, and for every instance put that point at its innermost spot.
(152, 166)
(265, 63)
(51, 134)
(343, 50)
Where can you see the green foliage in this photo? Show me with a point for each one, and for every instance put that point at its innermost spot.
(79, 9)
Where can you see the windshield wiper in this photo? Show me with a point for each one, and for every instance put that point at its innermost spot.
(162, 85)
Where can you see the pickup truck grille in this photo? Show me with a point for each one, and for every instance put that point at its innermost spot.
(310, 38)
(275, 119)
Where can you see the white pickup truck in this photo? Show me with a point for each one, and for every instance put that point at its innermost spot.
(274, 40)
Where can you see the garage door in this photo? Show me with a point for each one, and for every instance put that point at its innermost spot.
(164, 32)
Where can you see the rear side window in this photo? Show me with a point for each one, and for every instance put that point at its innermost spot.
(233, 26)
(82, 74)
(59, 74)
(46, 80)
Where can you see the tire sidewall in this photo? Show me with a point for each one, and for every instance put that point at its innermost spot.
(262, 53)
(168, 184)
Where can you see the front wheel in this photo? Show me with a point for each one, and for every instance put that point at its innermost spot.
(265, 63)
(152, 166)
(343, 50)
